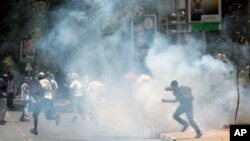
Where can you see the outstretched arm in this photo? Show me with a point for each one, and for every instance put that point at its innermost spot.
(168, 89)
(170, 101)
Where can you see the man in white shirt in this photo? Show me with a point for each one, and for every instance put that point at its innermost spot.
(78, 98)
(44, 100)
(26, 99)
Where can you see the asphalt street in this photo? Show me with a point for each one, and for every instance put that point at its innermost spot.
(86, 130)
(81, 130)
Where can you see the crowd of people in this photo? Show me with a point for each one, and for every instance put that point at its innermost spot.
(41, 92)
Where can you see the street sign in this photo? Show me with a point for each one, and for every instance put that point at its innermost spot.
(28, 67)
(205, 14)
(27, 53)
(206, 26)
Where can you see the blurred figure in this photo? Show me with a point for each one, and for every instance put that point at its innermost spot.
(3, 101)
(95, 91)
(86, 79)
(44, 101)
(53, 84)
(96, 87)
(130, 80)
(33, 85)
(184, 96)
(143, 79)
(78, 97)
(11, 90)
(26, 99)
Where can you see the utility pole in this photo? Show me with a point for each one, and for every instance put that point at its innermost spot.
(204, 47)
(177, 7)
(177, 22)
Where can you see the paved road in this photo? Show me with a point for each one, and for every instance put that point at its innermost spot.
(208, 135)
(86, 130)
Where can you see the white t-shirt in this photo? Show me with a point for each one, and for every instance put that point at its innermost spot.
(25, 94)
(46, 85)
(78, 86)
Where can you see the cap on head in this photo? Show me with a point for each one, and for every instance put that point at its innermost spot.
(174, 83)
(41, 75)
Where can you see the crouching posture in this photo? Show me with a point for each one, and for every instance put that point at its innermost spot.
(184, 96)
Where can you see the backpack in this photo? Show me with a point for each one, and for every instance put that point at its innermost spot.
(187, 93)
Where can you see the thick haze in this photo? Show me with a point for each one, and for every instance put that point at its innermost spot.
(139, 111)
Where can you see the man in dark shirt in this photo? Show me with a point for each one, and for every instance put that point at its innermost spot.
(186, 106)
(3, 101)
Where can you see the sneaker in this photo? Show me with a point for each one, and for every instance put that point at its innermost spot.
(4, 121)
(34, 131)
(22, 119)
(58, 117)
(198, 135)
(184, 128)
(26, 120)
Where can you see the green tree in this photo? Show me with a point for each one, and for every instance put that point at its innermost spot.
(8, 62)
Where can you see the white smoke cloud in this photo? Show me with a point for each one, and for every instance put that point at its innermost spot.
(186, 64)
(140, 112)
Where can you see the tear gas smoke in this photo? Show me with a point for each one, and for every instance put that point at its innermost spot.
(137, 110)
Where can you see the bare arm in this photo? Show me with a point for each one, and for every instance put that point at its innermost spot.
(170, 101)
(168, 89)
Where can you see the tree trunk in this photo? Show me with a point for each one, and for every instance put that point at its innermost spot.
(238, 91)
